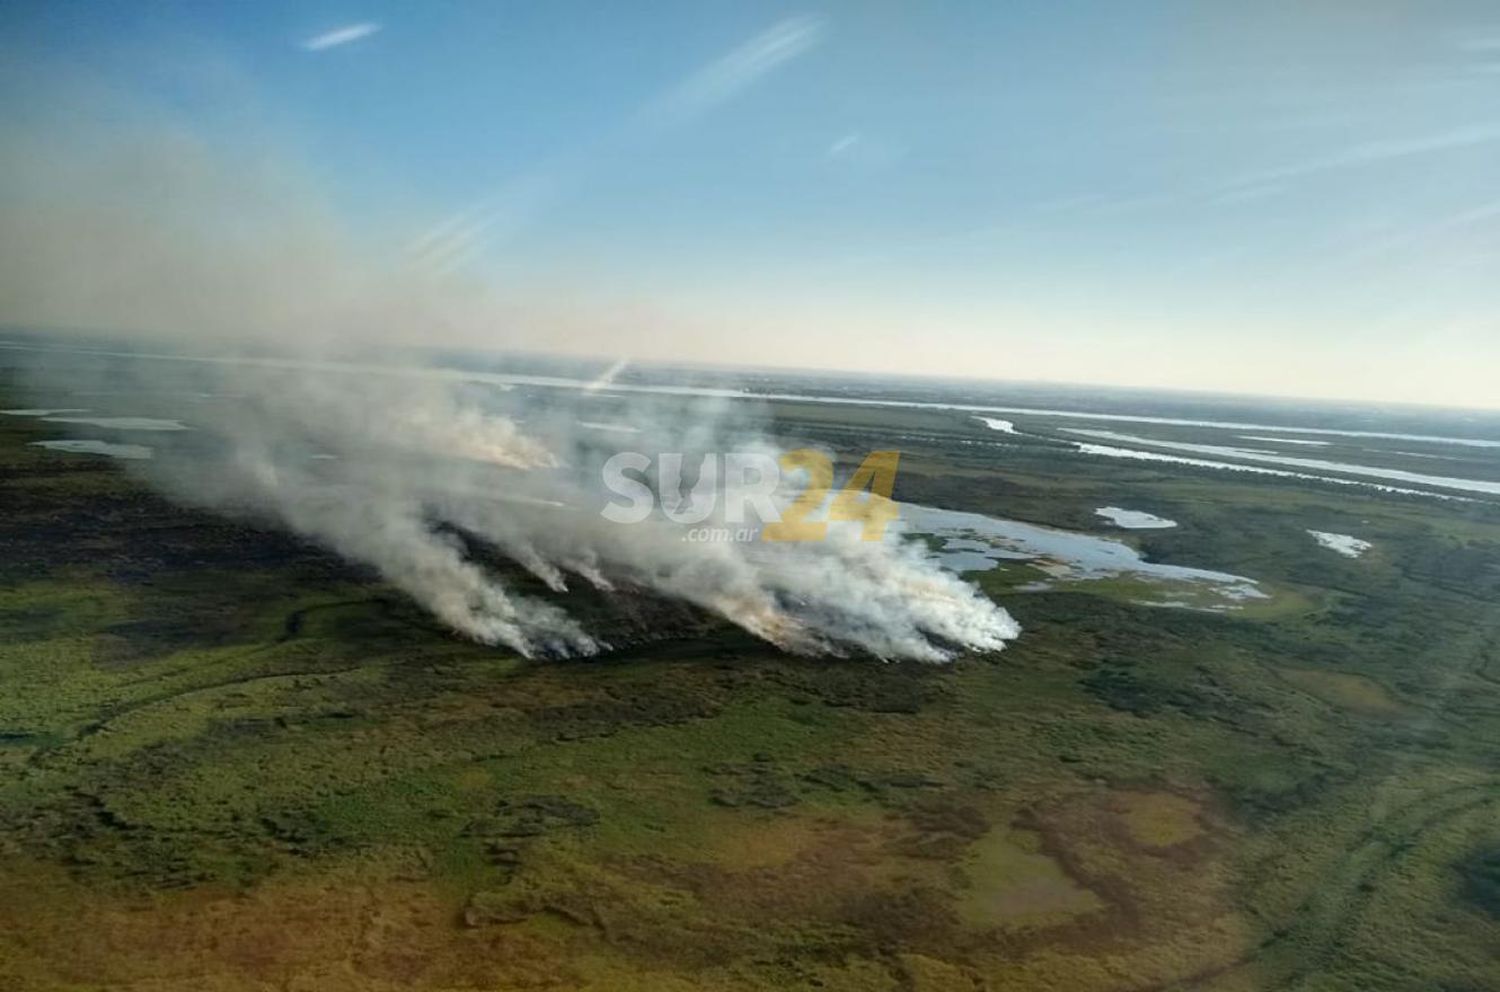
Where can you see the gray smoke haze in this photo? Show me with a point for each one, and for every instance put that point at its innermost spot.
(325, 424)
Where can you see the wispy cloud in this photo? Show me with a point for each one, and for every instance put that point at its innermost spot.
(729, 75)
(843, 144)
(1489, 44)
(1241, 194)
(1374, 153)
(1423, 238)
(462, 236)
(1483, 52)
(340, 36)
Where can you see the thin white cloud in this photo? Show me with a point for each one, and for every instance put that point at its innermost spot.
(1373, 153)
(340, 36)
(1068, 204)
(463, 235)
(1486, 50)
(1425, 236)
(1482, 44)
(1240, 194)
(843, 144)
(728, 76)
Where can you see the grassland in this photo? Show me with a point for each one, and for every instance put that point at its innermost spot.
(231, 761)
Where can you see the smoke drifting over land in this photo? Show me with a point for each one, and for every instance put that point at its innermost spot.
(392, 462)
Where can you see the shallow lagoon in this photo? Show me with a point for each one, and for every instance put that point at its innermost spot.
(975, 542)
(1134, 519)
(1286, 461)
(82, 447)
(1343, 544)
(71, 415)
(123, 423)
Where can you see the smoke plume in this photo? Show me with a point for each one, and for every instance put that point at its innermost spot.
(322, 418)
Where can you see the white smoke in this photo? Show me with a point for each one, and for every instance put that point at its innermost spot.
(389, 468)
(342, 437)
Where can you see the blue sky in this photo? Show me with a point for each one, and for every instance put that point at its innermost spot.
(1291, 198)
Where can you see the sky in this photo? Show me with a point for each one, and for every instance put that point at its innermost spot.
(1282, 198)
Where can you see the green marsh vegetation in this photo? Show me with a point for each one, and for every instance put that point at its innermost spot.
(230, 760)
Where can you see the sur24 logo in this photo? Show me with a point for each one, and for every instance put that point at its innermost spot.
(750, 483)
